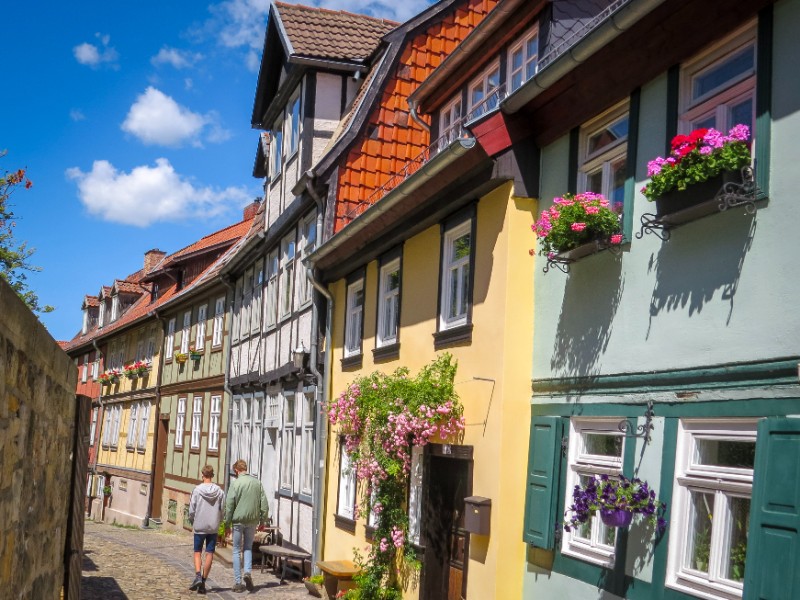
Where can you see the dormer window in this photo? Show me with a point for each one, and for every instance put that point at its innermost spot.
(523, 59)
(85, 326)
(482, 94)
(450, 123)
(114, 308)
(101, 319)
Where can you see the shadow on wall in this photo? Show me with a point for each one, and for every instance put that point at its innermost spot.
(699, 260)
(587, 314)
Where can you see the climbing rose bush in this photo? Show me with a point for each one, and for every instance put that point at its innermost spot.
(381, 417)
(694, 158)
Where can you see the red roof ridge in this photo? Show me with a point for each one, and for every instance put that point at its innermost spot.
(339, 12)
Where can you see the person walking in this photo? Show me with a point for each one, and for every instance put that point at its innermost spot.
(206, 508)
(245, 507)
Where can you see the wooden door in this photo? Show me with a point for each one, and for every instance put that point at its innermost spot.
(161, 459)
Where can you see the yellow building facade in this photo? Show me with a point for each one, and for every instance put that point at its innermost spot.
(492, 381)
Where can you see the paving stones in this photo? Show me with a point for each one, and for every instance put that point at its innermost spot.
(121, 563)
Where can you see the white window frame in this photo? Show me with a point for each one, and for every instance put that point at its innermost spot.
(236, 428)
(346, 498)
(450, 264)
(144, 425)
(186, 331)
(602, 161)
(93, 426)
(286, 285)
(246, 305)
(180, 422)
(151, 348)
(101, 313)
(140, 349)
(85, 370)
(256, 415)
(294, 117)
(450, 122)
(483, 82)
(276, 149)
(116, 418)
(717, 102)
(214, 422)
(197, 422)
(105, 440)
(95, 367)
(272, 410)
(388, 304)
(308, 225)
(307, 445)
(200, 334)
(258, 293)
(415, 495)
(271, 304)
(580, 462)
(132, 424)
(169, 342)
(522, 46)
(85, 325)
(723, 483)
(354, 319)
(286, 476)
(114, 307)
(219, 320)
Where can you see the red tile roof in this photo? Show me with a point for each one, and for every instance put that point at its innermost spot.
(391, 138)
(218, 238)
(333, 34)
(127, 287)
(91, 301)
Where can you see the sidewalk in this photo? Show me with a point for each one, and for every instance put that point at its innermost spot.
(124, 563)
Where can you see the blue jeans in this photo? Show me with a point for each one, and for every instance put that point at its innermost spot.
(242, 541)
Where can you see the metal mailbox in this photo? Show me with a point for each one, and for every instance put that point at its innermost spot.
(477, 514)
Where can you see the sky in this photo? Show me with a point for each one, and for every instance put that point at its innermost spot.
(132, 119)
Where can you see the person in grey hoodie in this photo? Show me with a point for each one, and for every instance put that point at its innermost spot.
(206, 508)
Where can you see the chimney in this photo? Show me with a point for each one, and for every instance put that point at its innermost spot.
(251, 209)
(152, 258)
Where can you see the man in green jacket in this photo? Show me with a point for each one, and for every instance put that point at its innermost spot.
(245, 507)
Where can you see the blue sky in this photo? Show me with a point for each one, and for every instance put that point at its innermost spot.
(133, 121)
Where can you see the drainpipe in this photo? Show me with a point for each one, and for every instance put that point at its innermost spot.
(226, 385)
(322, 388)
(157, 422)
(322, 393)
(412, 105)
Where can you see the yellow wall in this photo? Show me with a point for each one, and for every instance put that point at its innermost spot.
(502, 344)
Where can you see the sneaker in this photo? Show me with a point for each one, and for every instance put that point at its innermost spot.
(239, 588)
(202, 588)
(248, 582)
(198, 581)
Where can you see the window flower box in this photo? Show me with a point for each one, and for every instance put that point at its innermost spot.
(109, 377)
(181, 357)
(137, 369)
(195, 355)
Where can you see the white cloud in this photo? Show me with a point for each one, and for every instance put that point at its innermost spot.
(95, 56)
(156, 118)
(150, 194)
(179, 59)
(76, 115)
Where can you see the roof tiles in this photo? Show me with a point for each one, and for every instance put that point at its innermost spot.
(331, 34)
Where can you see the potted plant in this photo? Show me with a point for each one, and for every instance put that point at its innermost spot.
(194, 354)
(181, 357)
(697, 167)
(617, 499)
(577, 225)
(314, 585)
(109, 376)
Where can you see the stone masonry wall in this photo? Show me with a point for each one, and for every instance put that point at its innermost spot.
(37, 415)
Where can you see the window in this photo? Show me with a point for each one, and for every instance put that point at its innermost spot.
(106, 437)
(603, 155)
(287, 443)
(238, 297)
(151, 347)
(287, 276)
(85, 325)
(347, 485)
(523, 59)
(255, 435)
(169, 343)
(200, 335)
(96, 367)
(85, 370)
(294, 125)
(258, 286)
(309, 237)
(247, 304)
(482, 96)
(93, 427)
(388, 303)
(718, 87)
(456, 259)
(197, 422)
(140, 349)
(595, 448)
(711, 504)
(187, 327)
(272, 410)
(101, 318)
(245, 437)
(132, 427)
(271, 307)
(114, 308)
(354, 318)
(415, 495)
(276, 149)
(116, 418)
(307, 445)
(180, 423)
(214, 423)
(236, 429)
(144, 425)
(450, 123)
(219, 317)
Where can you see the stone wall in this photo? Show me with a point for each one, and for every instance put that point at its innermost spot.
(37, 416)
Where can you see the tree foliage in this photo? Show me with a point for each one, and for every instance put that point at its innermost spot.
(15, 256)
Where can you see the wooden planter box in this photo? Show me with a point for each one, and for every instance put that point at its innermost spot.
(699, 197)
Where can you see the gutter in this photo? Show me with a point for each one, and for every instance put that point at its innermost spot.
(433, 167)
(620, 21)
(156, 422)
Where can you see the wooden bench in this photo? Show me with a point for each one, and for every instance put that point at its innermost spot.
(337, 575)
(282, 556)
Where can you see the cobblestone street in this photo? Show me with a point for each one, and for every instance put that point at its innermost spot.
(122, 563)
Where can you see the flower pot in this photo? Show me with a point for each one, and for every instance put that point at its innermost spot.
(695, 194)
(181, 358)
(615, 517)
(132, 375)
(195, 356)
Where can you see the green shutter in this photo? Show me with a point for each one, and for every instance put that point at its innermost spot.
(772, 571)
(543, 470)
